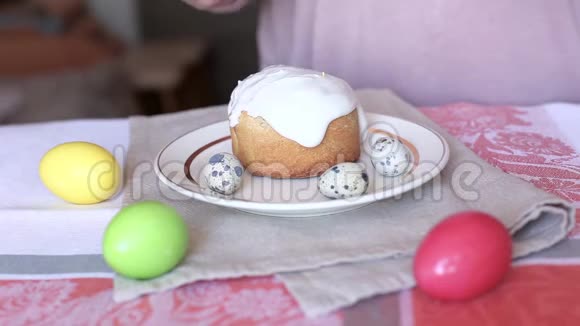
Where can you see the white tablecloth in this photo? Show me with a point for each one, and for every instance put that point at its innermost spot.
(35, 222)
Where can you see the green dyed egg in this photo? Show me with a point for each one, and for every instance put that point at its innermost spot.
(145, 240)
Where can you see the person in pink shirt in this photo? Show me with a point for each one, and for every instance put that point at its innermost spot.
(429, 52)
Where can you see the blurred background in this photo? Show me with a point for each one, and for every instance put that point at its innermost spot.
(71, 59)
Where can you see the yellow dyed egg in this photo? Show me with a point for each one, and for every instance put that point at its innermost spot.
(80, 172)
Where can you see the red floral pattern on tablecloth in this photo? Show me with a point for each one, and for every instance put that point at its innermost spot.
(530, 295)
(22, 302)
(468, 119)
(519, 141)
(255, 301)
(531, 143)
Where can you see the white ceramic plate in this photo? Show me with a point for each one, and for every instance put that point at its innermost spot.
(180, 163)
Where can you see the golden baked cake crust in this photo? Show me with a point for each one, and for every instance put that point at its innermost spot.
(264, 152)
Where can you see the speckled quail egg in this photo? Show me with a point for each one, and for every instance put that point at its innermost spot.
(223, 173)
(390, 157)
(343, 180)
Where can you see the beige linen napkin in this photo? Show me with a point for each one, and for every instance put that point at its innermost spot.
(333, 261)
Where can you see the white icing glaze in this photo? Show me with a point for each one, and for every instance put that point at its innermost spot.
(298, 103)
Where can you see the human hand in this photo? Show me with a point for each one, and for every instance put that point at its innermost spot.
(217, 5)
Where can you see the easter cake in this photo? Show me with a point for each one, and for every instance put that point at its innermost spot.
(289, 122)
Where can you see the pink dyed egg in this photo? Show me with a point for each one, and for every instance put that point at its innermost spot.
(464, 256)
